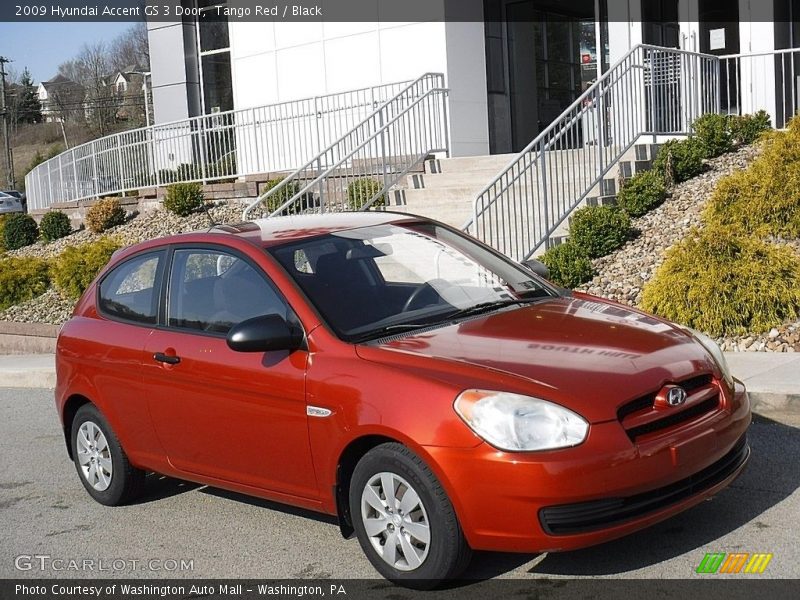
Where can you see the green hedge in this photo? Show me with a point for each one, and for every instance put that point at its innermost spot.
(75, 268)
(642, 193)
(724, 282)
(360, 191)
(22, 279)
(19, 230)
(54, 226)
(599, 230)
(764, 199)
(183, 199)
(569, 265)
(678, 161)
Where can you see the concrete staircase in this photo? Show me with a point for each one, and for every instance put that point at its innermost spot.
(447, 188)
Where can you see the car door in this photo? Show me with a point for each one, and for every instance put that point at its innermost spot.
(235, 416)
(110, 350)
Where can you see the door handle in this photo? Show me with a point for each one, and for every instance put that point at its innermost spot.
(165, 358)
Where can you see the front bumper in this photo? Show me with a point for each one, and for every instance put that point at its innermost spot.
(603, 489)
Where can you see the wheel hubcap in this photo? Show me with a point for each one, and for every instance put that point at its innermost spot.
(94, 456)
(395, 521)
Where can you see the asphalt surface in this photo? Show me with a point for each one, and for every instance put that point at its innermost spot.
(44, 510)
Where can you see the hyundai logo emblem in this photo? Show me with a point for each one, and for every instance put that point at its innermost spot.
(670, 396)
(676, 396)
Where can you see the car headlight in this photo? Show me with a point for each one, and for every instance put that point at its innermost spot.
(715, 351)
(520, 423)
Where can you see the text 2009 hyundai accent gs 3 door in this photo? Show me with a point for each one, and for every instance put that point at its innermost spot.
(436, 396)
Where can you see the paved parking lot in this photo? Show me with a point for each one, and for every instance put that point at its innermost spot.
(45, 511)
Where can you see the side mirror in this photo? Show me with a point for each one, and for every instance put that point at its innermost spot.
(263, 334)
(537, 267)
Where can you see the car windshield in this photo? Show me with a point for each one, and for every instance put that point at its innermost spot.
(380, 280)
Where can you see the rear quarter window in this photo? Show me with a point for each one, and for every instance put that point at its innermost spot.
(130, 292)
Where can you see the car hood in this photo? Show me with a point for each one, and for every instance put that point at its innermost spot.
(582, 352)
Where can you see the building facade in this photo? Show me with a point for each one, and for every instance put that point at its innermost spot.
(509, 75)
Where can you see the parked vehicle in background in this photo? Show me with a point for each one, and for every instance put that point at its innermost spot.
(10, 203)
(433, 394)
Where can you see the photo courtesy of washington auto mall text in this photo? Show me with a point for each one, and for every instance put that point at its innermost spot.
(399, 299)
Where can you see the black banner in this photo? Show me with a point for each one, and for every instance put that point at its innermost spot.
(386, 11)
(706, 587)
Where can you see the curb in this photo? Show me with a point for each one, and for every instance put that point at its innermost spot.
(767, 402)
(41, 379)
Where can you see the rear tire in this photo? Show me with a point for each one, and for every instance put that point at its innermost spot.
(102, 465)
(404, 521)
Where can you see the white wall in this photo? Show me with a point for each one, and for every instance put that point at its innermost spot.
(277, 62)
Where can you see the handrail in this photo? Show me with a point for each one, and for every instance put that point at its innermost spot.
(204, 148)
(328, 177)
(519, 209)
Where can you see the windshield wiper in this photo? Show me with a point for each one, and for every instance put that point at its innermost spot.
(484, 307)
(388, 330)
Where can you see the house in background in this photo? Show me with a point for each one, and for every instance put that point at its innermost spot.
(62, 99)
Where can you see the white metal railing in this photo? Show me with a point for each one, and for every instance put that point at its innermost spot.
(386, 145)
(750, 82)
(650, 91)
(266, 139)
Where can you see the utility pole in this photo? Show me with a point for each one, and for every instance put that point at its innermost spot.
(4, 114)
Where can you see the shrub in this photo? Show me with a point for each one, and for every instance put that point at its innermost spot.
(360, 191)
(642, 193)
(569, 265)
(724, 282)
(746, 129)
(3, 219)
(55, 225)
(277, 200)
(105, 214)
(75, 268)
(599, 230)
(765, 198)
(183, 199)
(22, 279)
(713, 134)
(19, 230)
(679, 161)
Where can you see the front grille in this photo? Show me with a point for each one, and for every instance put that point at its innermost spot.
(664, 419)
(689, 385)
(583, 517)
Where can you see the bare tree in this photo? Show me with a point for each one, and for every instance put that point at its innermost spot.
(91, 70)
(130, 49)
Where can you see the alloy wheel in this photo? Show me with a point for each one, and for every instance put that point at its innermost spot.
(395, 521)
(94, 456)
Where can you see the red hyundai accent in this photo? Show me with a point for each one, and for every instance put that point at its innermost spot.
(434, 395)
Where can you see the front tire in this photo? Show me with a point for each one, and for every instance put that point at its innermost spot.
(102, 465)
(404, 520)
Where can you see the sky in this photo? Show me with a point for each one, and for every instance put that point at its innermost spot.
(43, 46)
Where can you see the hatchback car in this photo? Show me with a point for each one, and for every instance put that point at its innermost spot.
(433, 394)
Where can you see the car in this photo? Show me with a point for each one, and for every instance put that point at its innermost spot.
(434, 395)
(10, 204)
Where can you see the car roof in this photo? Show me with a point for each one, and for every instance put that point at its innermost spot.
(279, 230)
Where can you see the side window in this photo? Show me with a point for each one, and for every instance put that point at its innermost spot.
(129, 292)
(212, 291)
